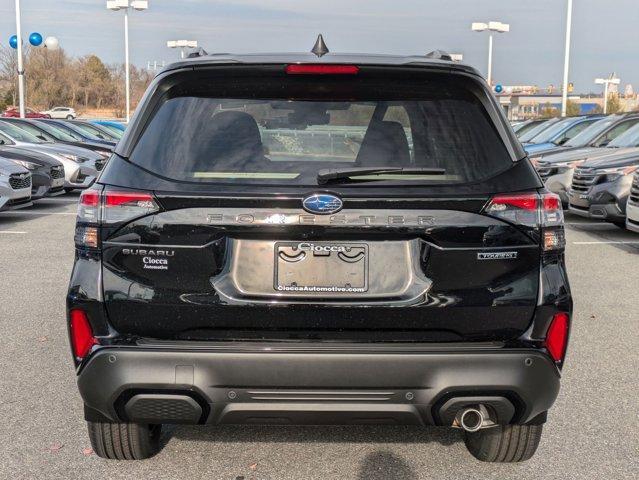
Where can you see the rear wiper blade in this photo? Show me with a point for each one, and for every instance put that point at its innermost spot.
(327, 174)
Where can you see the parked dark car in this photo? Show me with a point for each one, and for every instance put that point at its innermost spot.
(557, 170)
(97, 131)
(74, 130)
(51, 133)
(527, 125)
(601, 187)
(533, 132)
(47, 174)
(598, 134)
(386, 254)
(559, 133)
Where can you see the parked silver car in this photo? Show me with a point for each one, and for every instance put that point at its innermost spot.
(15, 185)
(81, 166)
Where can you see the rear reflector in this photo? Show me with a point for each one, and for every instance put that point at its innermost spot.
(557, 336)
(82, 338)
(321, 69)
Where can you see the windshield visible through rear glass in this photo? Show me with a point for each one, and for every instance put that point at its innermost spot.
(280, 141)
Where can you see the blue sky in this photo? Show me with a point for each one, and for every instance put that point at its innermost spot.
(605, 35)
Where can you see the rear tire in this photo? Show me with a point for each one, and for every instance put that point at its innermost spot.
(70, 117)
(124, 441)
(504, 443)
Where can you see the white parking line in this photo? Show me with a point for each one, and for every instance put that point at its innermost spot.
(619, 242)
(17, 212)
(12, 231)
(57, 200)
(590, 224)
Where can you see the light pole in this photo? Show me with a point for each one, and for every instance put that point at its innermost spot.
(125, 5)
(606, 82)
(564, 95)
(182, 45)
(491, 27)
(20, 64)
(15, 41)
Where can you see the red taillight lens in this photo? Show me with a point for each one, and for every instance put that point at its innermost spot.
(116, 199)
(125, 206)
(520, 209)
(526, 201)
(557, 336)
(82, 338)
(532, 210)
(90, 198)
(321, 69)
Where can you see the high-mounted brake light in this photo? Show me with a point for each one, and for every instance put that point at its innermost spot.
(82, 339)
(321, 69)
(557, 336)
(532, 210)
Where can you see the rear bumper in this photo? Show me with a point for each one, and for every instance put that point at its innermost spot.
(314, 385)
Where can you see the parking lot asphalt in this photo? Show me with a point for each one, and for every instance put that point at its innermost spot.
(592, 432)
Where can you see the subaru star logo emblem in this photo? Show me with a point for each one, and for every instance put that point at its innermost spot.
(322, 203)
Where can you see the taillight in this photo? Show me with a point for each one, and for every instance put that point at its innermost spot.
(105, 207)
(321, 69)
(532, 210)
(557, 336)
(122, 206)
(82, 339)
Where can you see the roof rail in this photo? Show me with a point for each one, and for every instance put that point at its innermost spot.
(198, 52)
(439, 55)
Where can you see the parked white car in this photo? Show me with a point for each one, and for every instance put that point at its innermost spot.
(61, 112)
(632, 208)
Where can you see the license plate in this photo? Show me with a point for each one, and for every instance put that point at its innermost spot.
(583, 196)
(321, 267)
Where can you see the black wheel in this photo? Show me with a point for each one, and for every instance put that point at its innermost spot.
(504, 443)
(124, 441)
(69, 117)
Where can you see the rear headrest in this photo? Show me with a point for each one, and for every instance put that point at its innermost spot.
(384, 144)
(233, 140)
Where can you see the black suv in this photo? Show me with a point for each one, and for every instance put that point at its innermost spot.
(319, 239)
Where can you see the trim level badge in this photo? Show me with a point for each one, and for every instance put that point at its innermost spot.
(322, 203)
(496, 255)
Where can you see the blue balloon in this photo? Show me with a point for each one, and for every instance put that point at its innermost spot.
(13, 41)
(499, 88)
(35, 39)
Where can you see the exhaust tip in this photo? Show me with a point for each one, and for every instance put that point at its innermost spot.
(471, 419)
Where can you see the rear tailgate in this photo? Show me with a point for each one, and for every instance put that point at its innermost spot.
(230, 253)
(375, 274)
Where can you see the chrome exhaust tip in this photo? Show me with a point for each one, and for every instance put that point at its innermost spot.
(471, 419)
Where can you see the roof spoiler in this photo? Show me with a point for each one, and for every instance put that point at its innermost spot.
(439, 55)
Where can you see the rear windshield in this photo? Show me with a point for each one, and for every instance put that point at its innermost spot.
(288, 135)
